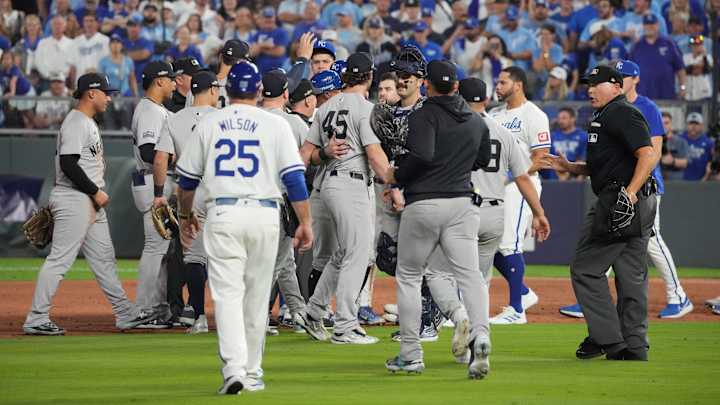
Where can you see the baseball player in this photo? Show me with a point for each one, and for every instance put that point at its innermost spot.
(232, 52)
(343, 196)
(303, 101)
(242, 155)
(446, 141)
(678, 303)
(78, 206)
(507, 155)
(326, 84)
(149, 121)
(530, 125)
(184, 68)
(275, 97)
(178, 133)
(323, 57)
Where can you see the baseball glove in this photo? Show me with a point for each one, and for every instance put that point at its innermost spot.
(165, 221)
(382, 123)
(386, 259)
(290, 220)
(622, 213)
(39, 228)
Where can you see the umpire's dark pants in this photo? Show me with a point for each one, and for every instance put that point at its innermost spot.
(625, 325)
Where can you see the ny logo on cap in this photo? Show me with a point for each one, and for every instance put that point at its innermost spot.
(194, 62)
(595, 71)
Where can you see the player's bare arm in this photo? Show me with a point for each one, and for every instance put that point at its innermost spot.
(646, 160)
(379, 163)
(540, 224)
(561, 165)
(303, 234)
(536, 157)
(160, 166)
(189, 225)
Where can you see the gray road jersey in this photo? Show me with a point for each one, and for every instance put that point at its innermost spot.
(347, 114)
(79, 135)
(298, 126)
(147, 125)
(180, 129)
(223, 100)
(507, 160)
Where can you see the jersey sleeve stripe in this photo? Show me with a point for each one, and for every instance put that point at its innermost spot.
(185, 173)
(290, 168)
(542, 145)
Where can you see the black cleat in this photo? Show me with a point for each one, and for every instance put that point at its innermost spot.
(589, 350)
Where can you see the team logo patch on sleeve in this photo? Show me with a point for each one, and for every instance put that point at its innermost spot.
(543, 137)
(148, 134)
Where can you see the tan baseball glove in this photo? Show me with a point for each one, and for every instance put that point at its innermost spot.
(39, 228)
(165, 221)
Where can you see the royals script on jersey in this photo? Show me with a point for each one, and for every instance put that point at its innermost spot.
(528, 123)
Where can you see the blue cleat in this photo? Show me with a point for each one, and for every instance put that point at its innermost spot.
(367, 316)
(674, 311)
(573, 311)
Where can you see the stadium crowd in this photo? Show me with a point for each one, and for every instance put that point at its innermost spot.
(47, 44)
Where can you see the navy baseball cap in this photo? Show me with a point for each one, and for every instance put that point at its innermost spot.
(376, 22)
(202, 81)
(155, 70)
(135, 20)
(441, 72)
(244, 78)
(116, 38)
(472, 23)
(473, 90)
(325, 81)
(601, 74)
(268, 12)
(412, 3)
(92, 81)
(275, 82)
(235, 49)
(301, 91)
(187, 66)
(628, 68)
(360, 62)
(512, 13)
(420, 26)
(650, 19)
(324, 47)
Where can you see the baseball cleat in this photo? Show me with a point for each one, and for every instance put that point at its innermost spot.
(464, 358)
(460, 338)
(49, 328)
(393, 308)
(712, 302)
(448, 323)
(140, 319)
(199, 326)
(411, 367)
(573, 311)
(367, 316)
(390, 318)
(271, 331)
(253, 384)
(509, 316)
(353, 337)
(428, 334)
(187, 318)
(313, 327)
(674, 311)
(588, 349)
(231, 386)
(155, 324)
(529, 299)
(329, 320)
(716, 309)
(479, 365)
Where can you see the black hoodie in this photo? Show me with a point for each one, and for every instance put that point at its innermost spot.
(446, 142)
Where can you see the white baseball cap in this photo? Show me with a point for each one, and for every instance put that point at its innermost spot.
(559, 73)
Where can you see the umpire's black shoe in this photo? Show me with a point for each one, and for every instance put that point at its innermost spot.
(627, 353)
(589, 350)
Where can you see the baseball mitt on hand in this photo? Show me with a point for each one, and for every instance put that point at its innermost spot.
(165, 221)
(622, 213)
(39, 228)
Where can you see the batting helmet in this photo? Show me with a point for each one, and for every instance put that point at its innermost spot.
(339, 67)
(410, 60)
(244, 78)
(327, 80)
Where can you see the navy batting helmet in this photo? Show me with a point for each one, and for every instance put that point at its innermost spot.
(244, 78)
(327, 80)
(410, 60)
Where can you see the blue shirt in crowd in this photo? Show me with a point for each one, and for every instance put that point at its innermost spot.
(658, 62)
(431, 50)
(279, 37)
(614, 50)
(22, 86)
(520, 40)
(136, 45)
(653, 116)
(303, 26)
(699, 154)
(572, 144)
(190, 52)
(581, 18)
(118, 74)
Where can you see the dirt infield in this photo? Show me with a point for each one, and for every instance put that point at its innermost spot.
(80, 307)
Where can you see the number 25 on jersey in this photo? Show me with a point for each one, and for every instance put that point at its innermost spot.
(242, 150)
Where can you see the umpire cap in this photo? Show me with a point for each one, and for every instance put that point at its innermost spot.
(92, 81)
(244, 78)
(473, 90)
(155, 70)
(601, 74)
(187, 66)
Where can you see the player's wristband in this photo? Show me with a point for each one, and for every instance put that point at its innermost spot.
(185, 217)
(322, 155)
(159, 190)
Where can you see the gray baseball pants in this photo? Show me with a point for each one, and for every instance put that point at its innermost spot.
(78, 227)
(348, 204)
(285, 274)
(452, 225)
(625, 323)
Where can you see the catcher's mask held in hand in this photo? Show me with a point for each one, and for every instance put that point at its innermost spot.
(622, 213)
(39, 228)
(165, 221)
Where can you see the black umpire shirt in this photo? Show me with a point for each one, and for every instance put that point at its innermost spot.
(176, 103)
(616, 131)
(446, 142)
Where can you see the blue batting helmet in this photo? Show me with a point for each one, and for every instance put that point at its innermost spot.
(339, 66)
(244, 78)
(327, 80)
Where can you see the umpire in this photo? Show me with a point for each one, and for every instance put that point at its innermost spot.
(616, 231)
(446, 141)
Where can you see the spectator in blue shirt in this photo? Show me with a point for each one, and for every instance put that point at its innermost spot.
(139, 49)
(269, 44)
(14, 83)
(309, 22)
(520, 42)
(568, 140)
(329, 14)
(496, 12)
(120, 71)
(634, 21)
(692, 8)
(606, 19)
(579, 20)
(541, 18)
(183, 47)
(548, 55)
(152, 29)
(700, 148)
(661, 62)
(605, 48)
(101, 12)
(116, 20)
(429, 49)
(563, 14)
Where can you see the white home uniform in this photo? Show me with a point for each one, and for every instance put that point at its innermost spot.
(529, 124)
(149, 121)
(241, 152)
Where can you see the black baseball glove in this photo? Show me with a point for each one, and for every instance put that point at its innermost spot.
(290, 220)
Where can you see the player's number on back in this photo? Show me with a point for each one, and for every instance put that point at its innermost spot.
(239, 151)
(495, 150)
(339, 127)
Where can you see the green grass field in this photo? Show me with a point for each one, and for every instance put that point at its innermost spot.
(533, 364)
(24, 269)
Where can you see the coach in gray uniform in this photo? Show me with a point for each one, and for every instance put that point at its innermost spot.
(180, 130)
(149, 120)
(78, 206)
(343, 188)
(446, 142)
(506, 156)
(275, 97)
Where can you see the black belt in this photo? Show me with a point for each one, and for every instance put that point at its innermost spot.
(478, 200)
(352, 175)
